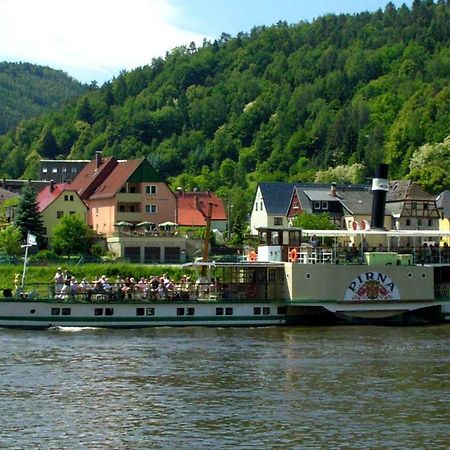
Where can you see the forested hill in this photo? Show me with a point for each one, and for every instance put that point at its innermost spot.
(27, 90)
(277, 103)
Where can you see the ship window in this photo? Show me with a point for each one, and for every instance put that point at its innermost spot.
(66, 311)
(282, 310)
(180, 311)
(32, 311)
(228, 311)
(56, 311)
(190, 311)
(149, 311)
(256, 311)
(219, 311)
(139, 311)
(266, 310)
(109, 311)
(98, 312)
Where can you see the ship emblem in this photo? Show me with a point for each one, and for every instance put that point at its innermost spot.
(372, 286)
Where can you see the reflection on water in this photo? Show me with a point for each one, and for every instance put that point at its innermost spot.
(329, 387)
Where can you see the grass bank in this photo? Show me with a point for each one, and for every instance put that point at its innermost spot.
(45, 274)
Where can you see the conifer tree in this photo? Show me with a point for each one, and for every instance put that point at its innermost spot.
(28, 218)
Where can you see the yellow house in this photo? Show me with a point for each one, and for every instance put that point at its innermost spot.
(57, 200)
(443, 204)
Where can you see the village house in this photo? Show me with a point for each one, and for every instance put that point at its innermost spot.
(192, 210)
(58, 200)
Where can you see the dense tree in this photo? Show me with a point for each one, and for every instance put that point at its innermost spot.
(71, 235)
(10, 241)
(279, 103)
(28, 219)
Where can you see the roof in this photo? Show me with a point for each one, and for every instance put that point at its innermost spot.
(443, 202)
(91, 176)
(117, 178)
(357, 202)
(276, 196)
(5, 194)
(192, 208)
(47, 196)
(402, 190)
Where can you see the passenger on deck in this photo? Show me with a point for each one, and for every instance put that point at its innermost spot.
(59, 280)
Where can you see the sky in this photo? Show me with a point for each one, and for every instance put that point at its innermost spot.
(97, 39)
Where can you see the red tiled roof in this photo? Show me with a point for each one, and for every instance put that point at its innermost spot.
(193, 208)
(47, 197)
(112, 184)
(91, 176)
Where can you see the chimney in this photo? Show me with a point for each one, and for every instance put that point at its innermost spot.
(380, 187)
(333, 189)
(98, 159)
(51, 186)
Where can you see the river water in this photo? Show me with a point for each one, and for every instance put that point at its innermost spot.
(349, 387)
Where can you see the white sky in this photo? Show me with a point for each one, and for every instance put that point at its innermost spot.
(96, 39)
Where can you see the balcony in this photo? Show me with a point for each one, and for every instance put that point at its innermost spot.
(128, 216)
(123, 197)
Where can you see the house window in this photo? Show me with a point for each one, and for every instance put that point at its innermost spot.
(408, 222)
(132, 208)
(150, 190)
(325, 205)
(54, 170)
(59, 214)
(295, 205)
(419, 222)
(66, 198)
(121, 208)
(256, 206)
(71, 213)
(430, 222)
(74, 170)
(96, 211)
(44, 170)
(413, 205)
(151, 209)
(278, 221)
(261, 206)
(316, 205)
(64, 170)
(425, 206)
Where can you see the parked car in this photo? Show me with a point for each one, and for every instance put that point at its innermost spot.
(6, 259)
(90, 259)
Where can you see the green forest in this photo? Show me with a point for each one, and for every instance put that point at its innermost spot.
(313, 101)
(27, 90)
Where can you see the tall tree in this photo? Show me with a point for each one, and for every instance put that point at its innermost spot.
(71, 235)
(28, 218)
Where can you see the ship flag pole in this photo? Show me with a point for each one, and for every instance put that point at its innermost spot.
(31, 240)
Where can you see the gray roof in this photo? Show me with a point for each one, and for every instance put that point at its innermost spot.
(357, 202)
(443, 202)
(277, 196)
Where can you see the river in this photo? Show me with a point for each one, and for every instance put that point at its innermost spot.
(349, 387)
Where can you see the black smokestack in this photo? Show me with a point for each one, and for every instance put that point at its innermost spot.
(380, 187)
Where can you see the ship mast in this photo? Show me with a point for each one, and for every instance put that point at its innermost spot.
(207, 238)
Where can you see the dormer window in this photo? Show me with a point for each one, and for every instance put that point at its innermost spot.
(325, 206)
(316, 205)
(295, 205)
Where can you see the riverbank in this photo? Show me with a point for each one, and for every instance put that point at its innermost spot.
(45, 274)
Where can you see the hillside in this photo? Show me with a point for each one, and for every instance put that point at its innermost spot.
(27, 90)
(277, 103)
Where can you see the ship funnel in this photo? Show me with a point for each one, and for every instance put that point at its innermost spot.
(380, 187)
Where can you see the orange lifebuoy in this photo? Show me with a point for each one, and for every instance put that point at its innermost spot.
(293, 255)
(252, 256)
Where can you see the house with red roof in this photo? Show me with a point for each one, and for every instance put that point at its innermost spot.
(123, 191)
(57, 200)
(192, 210)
